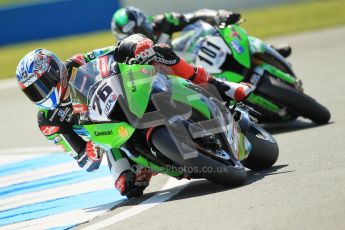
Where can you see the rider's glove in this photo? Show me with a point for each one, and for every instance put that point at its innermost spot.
(143, 49)
(165, 55)
(235, 91)
(160, 53)
(93, 151)
(233, 18)
(228, 18)
(169, 23)
(131, 47)
(132, 184)
(92, 158)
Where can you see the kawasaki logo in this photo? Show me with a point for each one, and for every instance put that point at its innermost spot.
(103, 133)
(131, 79)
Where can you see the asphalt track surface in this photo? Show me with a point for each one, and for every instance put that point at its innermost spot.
(304, 190)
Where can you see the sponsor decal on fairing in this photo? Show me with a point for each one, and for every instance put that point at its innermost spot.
(103, 66)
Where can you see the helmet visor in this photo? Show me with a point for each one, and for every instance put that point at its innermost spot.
(116, 30)
(41, 88)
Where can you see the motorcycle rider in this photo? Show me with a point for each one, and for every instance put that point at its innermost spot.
(44, 78)
(159, 28)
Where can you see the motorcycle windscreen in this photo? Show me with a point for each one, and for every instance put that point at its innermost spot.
(239, 144)
(137, 86)
(187, 41)
(89, 91)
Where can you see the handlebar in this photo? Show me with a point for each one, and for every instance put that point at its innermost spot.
(249, 109)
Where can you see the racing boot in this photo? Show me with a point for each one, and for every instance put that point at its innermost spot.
(283, 49)
(132, 184)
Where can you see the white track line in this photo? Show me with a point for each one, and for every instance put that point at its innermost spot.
(175, 185)
(13, 155)
(39, 173)
(36, 174)
(31, 150)
(8, 84)
(57, 192)
(65, 219)
(58, 220)
(9, 159)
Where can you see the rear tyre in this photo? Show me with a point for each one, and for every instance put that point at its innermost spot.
(264, 151)
(294, 100)
(201, 165)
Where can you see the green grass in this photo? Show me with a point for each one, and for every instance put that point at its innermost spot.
(261, 23)
(63, 47)
(15, 2)
(295, 18)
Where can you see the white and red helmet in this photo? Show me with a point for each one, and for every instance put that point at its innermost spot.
(43, 78)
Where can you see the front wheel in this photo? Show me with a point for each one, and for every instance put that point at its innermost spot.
(294, 100)
(264, 152)
(231, 174)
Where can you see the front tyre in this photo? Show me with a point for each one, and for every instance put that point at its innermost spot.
(264, 151)
(203, 166)
(297, 101)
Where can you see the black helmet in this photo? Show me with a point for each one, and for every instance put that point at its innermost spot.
(130, 20)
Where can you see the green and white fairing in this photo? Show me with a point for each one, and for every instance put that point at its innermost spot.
(97, 93)
(226, 52)
(203, 44)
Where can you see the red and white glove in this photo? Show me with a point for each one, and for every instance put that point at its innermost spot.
(94, 152)
(160, 53)
(144, 49)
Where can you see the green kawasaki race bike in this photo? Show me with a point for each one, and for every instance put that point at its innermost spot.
(167, 124)
(229, 53)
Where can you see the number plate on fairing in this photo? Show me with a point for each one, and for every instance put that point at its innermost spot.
(103, 99)
(212, 54)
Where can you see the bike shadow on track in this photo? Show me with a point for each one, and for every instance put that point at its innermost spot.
(196, 188)
(291, 126)
(202, 187)
(254, 176)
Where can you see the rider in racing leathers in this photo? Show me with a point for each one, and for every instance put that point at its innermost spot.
(44, 78)
(159, 28)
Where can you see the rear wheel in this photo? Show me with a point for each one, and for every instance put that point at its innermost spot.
(264, 151)
(293, 99)
(226, 174)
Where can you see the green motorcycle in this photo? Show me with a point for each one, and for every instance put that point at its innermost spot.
(229, 53)
(167, 124)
